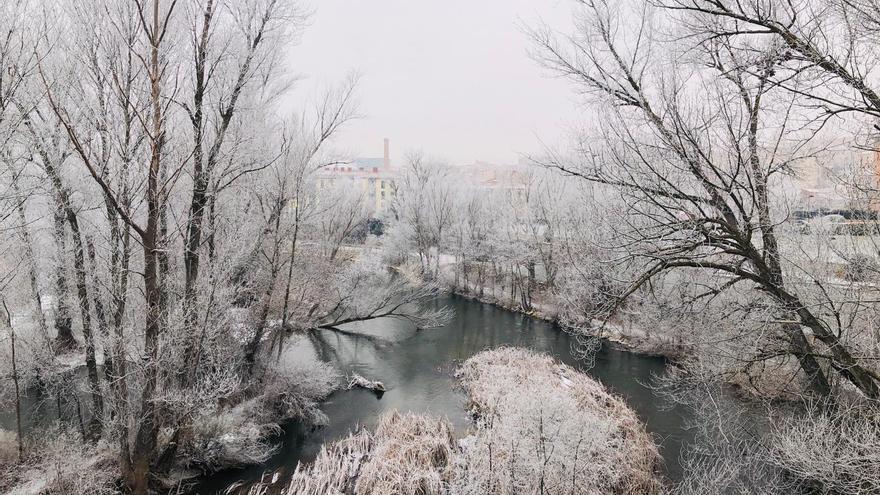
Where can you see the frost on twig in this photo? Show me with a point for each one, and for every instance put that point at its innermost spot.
(357, 381)
(372, 292)
(245, 434)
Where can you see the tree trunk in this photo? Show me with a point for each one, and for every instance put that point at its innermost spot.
(201, 173)
(15, 384)
(64, 340)
(32, 268)
(285, 317)
(65, 208)
(145, 444)
(119, 381)
(253, 347)
(97, 418)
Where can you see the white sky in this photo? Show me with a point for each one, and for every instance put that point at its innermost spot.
(450, 77)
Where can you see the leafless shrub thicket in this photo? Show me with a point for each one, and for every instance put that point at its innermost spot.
(835, 451)
(61, 463)
(244, 433)
(771, 447)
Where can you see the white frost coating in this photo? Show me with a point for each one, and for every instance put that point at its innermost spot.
(408, 454)
(543, 427)
(357, 381)
(62, 464)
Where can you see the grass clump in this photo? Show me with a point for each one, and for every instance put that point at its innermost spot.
(407, 454)
(543, 427)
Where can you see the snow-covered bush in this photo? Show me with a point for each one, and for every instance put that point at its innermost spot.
(408, 454)
(836, 451)
(294, 388)
(411, 455)
(237, 437)
(394, 249)
(543, 427)
(244, 434)
(63, 464)
(794, 448)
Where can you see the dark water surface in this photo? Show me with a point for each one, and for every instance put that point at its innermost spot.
(417, 368)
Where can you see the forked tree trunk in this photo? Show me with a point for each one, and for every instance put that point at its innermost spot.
(66, 213)
(253, 347)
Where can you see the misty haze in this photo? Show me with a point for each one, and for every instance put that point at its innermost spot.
(396, 247)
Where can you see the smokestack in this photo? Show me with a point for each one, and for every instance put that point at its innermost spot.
(387, 161)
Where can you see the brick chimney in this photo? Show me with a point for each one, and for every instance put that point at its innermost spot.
(387, 162)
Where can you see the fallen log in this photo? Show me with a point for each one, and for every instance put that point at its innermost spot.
(357, 381)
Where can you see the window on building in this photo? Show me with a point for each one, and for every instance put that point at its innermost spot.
(383, 194)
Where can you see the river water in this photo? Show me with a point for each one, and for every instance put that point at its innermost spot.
(417, 368)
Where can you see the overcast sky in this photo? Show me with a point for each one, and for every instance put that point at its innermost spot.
(450, 77)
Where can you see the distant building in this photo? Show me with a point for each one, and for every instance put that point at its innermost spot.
(374, 177)
(842, 180)
(511, 181)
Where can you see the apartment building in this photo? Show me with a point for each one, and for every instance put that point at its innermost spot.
(373, 177)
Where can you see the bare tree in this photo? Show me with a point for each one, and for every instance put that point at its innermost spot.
(259, 28)
(15, 380)
(698, 180)
(423, 204)
(305, 152)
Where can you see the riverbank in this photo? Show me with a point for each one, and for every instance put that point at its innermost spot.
(506, 291)
(243, 432)
(620, 335)
(417, 368)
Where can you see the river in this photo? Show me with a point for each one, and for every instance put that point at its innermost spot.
(417, 368)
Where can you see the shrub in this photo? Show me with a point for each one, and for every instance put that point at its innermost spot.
(408, 454)
(293, 389)
(8, 448)
(411, 455)
(244, 434)
(543, 427)
(63, 464)
(832, 451)
(237, 437)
